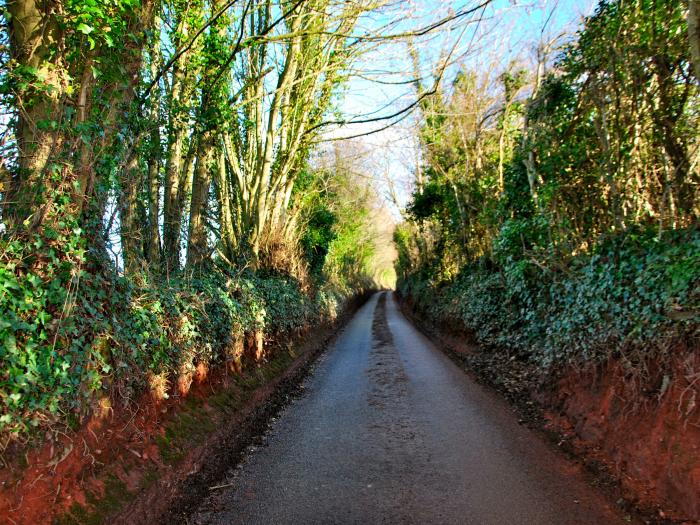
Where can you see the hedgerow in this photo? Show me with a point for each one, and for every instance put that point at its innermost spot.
(635, 297)
(74, 331)
(550, 218)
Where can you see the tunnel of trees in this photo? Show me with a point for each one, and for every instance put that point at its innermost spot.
(163, 192)
(169, 193)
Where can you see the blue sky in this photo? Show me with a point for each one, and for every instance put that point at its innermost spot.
(506, 30)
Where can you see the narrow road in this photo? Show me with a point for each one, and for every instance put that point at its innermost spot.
(391, 431)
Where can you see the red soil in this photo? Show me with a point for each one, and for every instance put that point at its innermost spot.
(647, 431)
(43, 483)
(67, 467)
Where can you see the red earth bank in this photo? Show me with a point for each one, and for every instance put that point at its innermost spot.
(40, 484)
(647, 430)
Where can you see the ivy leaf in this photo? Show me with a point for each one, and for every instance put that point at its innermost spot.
(10, 343)
(85, 29)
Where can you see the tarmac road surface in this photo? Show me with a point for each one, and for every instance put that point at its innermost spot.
(389, 430)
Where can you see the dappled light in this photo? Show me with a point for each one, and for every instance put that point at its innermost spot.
(198, 198)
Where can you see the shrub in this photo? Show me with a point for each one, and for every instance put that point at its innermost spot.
(72, 335)
(635, 296)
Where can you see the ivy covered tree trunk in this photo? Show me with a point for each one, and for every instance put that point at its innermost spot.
(131, 227)
(180, 154)
(55, 170)
(154, 161)
(174, 169)
(154, 245)
(228, 239)
(36, 48)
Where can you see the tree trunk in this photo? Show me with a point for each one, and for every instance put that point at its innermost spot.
(223, 195)
(34, 43)
(118, 98)
(501, 151)
(177, 166)
(173, 169)
(665, 118)
(197, 246)
(153, 247)
(694, 35)
(131, 230)
(154, 161)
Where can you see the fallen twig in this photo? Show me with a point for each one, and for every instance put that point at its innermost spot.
(221, 486)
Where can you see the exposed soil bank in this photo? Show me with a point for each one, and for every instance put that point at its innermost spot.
(639, 436)
(151, 463)
(647, 430)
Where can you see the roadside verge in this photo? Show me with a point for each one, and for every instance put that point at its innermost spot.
(155, 461)
(643, 456)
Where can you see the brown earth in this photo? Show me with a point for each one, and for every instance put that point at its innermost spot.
(651, 441)
(638, 436)
(141, 463)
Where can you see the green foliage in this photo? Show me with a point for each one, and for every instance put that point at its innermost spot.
(351, 251)
(338, 232)
(38, 279)
(581, 242)
(518, 237)
(431, 202)
(317, 237)
(621, 112)
(635, 297)
(122, 118)
(69, 335)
